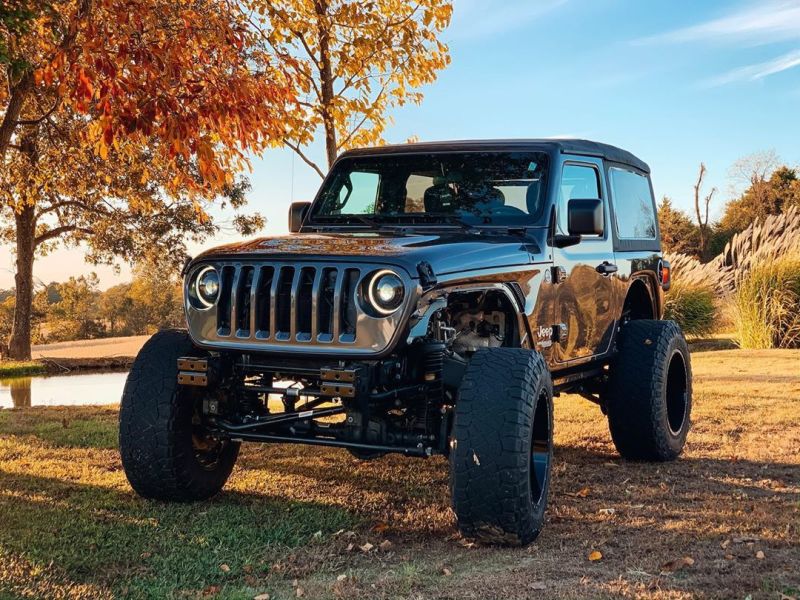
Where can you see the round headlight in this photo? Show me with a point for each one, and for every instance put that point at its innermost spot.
(386, 292)
(206, 286)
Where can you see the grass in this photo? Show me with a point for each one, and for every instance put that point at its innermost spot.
(767, 306)
(13, 368)
(293, 518)
(693, 307)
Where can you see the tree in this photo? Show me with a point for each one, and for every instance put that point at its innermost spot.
(115, 306)
(351, 61)
(76, 315)
(702, 214)
(678, 233)
(771, 190)
(122, 121)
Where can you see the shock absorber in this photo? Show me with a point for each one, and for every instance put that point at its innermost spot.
(431, 362)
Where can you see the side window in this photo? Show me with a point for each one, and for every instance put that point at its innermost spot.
(357, 196)
(577, 181)
(634, 208)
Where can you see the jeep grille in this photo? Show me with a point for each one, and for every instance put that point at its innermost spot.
(292, 307)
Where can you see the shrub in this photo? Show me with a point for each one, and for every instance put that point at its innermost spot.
(693, 307)
(767, 305)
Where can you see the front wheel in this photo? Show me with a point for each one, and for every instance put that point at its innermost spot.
(502, 446)
(166, 452)
(649, 393)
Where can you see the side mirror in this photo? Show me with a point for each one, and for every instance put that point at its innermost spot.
(297, 214)
(585, 216)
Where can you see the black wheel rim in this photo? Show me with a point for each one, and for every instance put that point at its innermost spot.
(540, 450)
(677, 393)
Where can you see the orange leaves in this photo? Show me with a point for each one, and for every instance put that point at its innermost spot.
(187, 81)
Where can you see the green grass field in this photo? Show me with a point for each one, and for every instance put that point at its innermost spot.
(316, 523)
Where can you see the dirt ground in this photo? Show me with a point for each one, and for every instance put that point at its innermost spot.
(721, 522)
(101, 348)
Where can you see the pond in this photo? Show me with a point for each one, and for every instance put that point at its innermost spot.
(58, 390)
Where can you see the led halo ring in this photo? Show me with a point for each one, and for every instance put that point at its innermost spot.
(371, 292)
(197, 278)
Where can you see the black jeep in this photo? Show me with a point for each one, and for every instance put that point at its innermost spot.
(431, 300)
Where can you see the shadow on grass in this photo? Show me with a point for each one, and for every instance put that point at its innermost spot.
(97, 534)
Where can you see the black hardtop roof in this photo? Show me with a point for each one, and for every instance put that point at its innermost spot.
(564, 146)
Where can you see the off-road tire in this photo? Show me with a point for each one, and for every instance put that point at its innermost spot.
(155, 427)
(506, 395)
(649, 393)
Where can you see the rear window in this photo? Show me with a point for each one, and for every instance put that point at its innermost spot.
(634, 208)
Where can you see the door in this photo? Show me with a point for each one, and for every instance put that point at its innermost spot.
(583, 273)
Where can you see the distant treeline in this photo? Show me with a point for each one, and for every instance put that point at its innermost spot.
(770, 188)
(76, 309)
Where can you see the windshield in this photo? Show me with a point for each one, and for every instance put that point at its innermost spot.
(502, 188)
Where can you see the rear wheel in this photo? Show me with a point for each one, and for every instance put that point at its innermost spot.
(649, 394)
(167, 454)
(502, 446)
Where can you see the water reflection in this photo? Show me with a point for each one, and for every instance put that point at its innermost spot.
(71, 390)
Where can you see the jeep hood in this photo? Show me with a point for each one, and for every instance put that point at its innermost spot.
(446, 252)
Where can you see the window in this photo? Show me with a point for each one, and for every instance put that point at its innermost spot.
(577, 181)
(479, 188)
(634, 209)
(358, 193)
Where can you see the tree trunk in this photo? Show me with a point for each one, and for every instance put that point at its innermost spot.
(326, 80)
(19, 346)
(19, 94)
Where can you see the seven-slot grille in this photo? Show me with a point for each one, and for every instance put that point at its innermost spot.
(288, 303)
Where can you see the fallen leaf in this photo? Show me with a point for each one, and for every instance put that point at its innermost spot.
(341, 577)
(595, 555)
(146, 555)
(247, 568)
(581, 493)
(725, 544)
(607, 511)
(317, 535)
(475, 458)
(446, 572)
(261, 597)
(366, 547)
(350, 547)
(299, 592)
(729, 557)
(760, 555)
(385, 545)
(225, 568)
(677, 564)
(379, 528)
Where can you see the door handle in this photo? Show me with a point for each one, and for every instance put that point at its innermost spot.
(606, 268)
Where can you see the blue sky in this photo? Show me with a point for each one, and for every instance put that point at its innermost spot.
(676, 82)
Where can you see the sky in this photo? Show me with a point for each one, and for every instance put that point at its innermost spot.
(675, 82)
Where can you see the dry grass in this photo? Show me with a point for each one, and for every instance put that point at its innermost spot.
(71, 527)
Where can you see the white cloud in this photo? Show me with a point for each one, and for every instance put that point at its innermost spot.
(763, 23)
(787, 61)
(480, 19)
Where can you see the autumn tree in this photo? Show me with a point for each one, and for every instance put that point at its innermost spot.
(678, 233)
(351, 62)
(122, 120)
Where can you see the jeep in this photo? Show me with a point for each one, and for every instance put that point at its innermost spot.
(432, 299)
